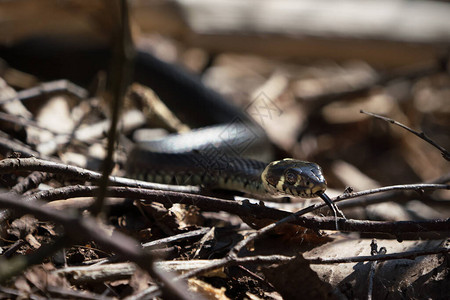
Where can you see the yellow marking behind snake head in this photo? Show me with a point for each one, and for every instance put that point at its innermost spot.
(291, 177)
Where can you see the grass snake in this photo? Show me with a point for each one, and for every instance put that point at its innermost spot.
(203, 158)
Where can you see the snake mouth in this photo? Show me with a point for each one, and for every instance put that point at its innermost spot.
(295, 178)
(319, 189)
(308, 189)
(311, 191)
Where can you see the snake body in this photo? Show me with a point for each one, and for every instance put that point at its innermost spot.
(194, 168)
(213, 169)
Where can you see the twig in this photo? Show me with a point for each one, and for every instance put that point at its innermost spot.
(288, 219)
(31, 181)
(381, 257)
(120, 78)
(14, 247)
(114, 271)
(86, 228)
(149, 293)
(373, 266)
(192, 266)
(8, 144)
(244, 208)
(404, 187)
(10, 165)
(79, 229)
(51, 87)
(174, 238)
(234, 252)
(256, 277)
(32, 164)
(214, 204)
(23, 122)
(421, 135)
(398, 195)
(228, 261)
(98, 273)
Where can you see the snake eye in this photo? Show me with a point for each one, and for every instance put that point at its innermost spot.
(291, 177)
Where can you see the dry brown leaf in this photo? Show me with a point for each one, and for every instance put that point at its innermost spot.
(393, 278)
(23, 226)
(207, 290)
(296, 279)
(24, 288)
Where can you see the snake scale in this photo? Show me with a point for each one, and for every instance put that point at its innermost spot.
(185, 159)
(170, 161)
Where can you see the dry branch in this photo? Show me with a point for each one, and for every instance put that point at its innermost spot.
(33, 164)
(86, 228)
(421, 135)
(245, 208)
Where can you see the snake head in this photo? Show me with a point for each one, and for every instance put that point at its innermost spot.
(291, 177)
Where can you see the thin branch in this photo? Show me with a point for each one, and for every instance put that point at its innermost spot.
(398, 195)
(32, 164)
(421, 135)
(181, 236)
(192, 266)
(9, 144)
(231, 261)
(234, 252)
(23, 122)
(87, 228)
(289, 219)
(51, 87)
(419, 187)
(97, 273)
(245, 208)
(373, 267)
(10, 165)
(120, 78)
(30, 182)
(79, 229)
(228, 261)
(390, 256)
(214, 204)
(13, 248)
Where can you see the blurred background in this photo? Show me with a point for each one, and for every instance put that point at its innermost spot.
(303, 70)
